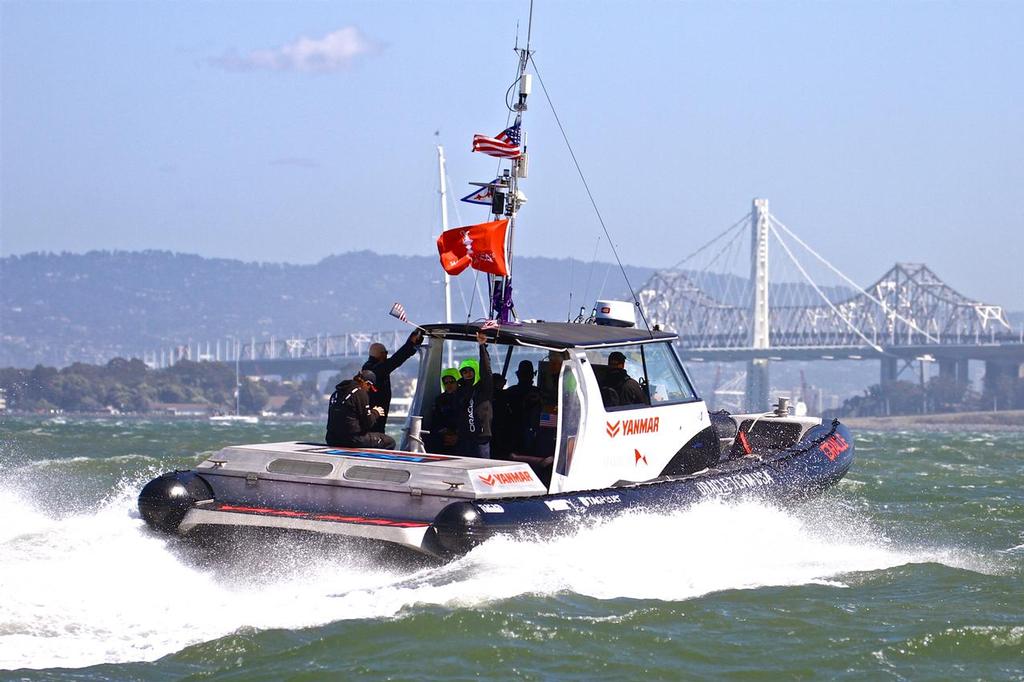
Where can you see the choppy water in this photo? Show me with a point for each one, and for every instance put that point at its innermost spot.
(911, 569)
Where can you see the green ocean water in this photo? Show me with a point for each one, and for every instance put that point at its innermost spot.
(910, 569)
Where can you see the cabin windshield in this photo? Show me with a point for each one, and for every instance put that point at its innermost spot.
(650, 374)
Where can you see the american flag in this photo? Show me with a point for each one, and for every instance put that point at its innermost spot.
(548, 420)
(504, 145)
(489, 324)
(398, 310)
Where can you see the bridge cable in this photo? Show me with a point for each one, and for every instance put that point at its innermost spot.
(712, 241)
(882, 304)
(820, 293)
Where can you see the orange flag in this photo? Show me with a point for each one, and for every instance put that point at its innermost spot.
(481, 247)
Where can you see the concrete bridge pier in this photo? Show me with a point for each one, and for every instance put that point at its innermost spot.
(890, 370)
(956, 369)
(998, 369)
(757, 386)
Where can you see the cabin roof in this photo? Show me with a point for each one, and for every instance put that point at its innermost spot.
(553, 334)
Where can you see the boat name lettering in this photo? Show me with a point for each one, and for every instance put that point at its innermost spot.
(558, 505)
(507, 478)
(589, 500)
(630, 427)
(493, 508)
(833, 446)
(725, 486)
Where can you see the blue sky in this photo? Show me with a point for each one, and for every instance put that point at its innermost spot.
(274, 131)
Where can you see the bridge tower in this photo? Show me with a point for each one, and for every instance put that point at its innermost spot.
(757, 370)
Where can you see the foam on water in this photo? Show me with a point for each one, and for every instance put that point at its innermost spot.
(98, 587)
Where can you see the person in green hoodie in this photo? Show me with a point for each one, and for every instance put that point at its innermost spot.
(474, 396)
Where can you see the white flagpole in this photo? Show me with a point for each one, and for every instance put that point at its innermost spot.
(444, 226)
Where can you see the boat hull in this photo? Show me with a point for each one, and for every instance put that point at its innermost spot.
(446, 526)
(818, 461)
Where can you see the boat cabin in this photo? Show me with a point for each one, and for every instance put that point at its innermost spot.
(576, 432)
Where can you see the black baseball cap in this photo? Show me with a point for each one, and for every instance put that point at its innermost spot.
(525, 367)
(368, 376)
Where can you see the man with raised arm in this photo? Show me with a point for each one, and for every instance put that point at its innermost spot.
(382, 366)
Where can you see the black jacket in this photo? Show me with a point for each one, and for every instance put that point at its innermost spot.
(383, 369)
(626, 388)
(475, 410)
(349, 414)
(524, 405)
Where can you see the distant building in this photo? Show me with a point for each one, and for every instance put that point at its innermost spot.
(183, 409)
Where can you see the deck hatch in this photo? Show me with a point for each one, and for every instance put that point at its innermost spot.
(299, 467)
(360, 472)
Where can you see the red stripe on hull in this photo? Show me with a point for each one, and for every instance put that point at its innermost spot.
(292, 514)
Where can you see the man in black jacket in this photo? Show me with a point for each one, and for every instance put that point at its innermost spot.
(523, 401)
(350, 419)
(627, 389)
(475, 410)
(382, 366)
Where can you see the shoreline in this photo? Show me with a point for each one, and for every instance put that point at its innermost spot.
(1006, 420)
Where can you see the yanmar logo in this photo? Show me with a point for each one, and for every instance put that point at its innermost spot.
(631, 427)
(833, 446)
(507, 478)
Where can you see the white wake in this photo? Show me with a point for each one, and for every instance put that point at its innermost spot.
(99, 588)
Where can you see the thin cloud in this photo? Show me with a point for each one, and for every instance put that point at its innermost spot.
(333, 52)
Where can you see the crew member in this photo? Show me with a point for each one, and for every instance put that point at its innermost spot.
(382, 366)
(523, 401)
(474, 395)
(350, 418)
(627, 390)
(444, 420)
(501, 419)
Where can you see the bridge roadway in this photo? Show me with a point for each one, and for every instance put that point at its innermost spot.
(1000, 357)
(998, 352)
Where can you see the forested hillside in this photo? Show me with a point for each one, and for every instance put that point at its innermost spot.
(56, 309)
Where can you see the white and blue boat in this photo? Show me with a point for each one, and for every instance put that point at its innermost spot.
(589, 455)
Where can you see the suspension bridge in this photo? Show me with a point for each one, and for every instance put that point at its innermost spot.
(799, 306)
(755, 293)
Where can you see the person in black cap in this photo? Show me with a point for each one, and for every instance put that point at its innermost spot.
(350, 419)
(382, 366)
(523, 401)
(627, 389)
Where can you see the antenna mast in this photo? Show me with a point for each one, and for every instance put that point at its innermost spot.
(509, 202)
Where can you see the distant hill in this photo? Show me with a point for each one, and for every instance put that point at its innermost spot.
(56, 309)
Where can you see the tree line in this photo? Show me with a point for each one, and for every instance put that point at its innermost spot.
(130, 386)
(939, 394)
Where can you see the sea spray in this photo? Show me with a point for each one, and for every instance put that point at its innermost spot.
(109, 590)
